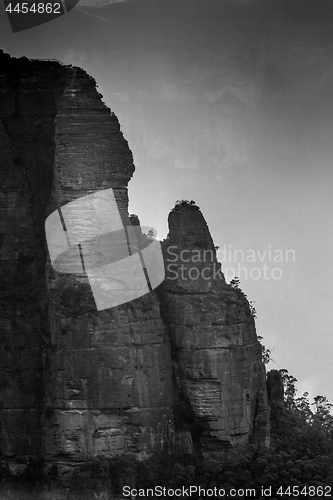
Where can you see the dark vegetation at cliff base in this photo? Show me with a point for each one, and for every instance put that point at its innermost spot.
(300, 455)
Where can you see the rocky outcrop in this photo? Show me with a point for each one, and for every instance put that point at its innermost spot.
(275, 392)
(107, 386)
(275, 389)
(29, 95)
(218, 372)
(77, 382)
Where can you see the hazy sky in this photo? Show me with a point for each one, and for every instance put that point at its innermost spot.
(228, 103)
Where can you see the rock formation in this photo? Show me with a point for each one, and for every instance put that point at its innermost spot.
(77, 382)
(275, 392)
(219, 375)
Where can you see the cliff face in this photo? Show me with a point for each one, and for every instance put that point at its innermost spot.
(275, 391)
(218, 370)
(77, 382)
(29, 95)
(74, 381)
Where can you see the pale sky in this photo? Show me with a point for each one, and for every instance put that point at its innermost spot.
(229, 104)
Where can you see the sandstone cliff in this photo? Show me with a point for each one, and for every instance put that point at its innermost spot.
(77, 382)
(275, 392)
(218, 373)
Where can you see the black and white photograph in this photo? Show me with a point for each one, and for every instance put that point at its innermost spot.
(166, 243)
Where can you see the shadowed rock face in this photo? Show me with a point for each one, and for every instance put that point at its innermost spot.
(28, 102)
(275, 391)
(108, 379)
(216, 353)
(77, 382)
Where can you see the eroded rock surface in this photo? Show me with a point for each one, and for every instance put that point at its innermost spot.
(275, 391)
(219, 374)
(77, 382)
(29, 92)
